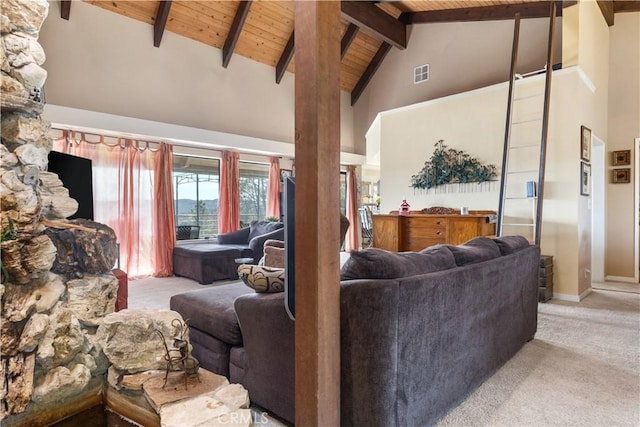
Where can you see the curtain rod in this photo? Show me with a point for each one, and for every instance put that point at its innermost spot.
(107, 135)
(199, 145)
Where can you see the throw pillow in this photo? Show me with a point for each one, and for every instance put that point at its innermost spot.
(258, 228)
(274, 257)
(476, 250)
(375, 263)
(511, 244)
(262, 279)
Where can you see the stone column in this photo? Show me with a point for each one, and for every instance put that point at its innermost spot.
(51, 302)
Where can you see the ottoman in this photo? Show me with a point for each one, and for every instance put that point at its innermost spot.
(206, 263)
(213, 324)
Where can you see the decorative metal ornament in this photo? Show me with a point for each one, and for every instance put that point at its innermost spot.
(179, 357)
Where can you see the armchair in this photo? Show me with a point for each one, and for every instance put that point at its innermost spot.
(273, 248)
(254, 236)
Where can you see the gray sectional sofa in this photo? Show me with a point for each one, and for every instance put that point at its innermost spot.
(208, 262)
(419, 331)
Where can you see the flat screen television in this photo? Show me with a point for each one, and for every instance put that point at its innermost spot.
(75, 173)
(289, 213)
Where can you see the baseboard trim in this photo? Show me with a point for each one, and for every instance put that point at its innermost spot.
(573, 298)
(565, 297)
(620, 279)
(585, 293)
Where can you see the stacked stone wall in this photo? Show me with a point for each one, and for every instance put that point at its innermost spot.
(56, 280)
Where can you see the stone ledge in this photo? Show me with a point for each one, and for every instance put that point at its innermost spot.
(9, 103)
(131, 405)
(179, 387)
(211, 401)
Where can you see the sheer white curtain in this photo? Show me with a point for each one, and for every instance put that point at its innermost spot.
(123, 199)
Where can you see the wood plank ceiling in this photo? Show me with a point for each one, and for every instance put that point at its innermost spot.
(262, 30)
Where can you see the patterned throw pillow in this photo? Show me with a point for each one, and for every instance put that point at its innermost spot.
(262, 279)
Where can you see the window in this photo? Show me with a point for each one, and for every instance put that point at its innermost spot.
(196, 183)
(254, 183)
(421, 74)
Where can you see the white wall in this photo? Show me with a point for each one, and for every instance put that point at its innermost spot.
(462, 57)
(624, 126)
(469, 121)
(591, 38)
(474, 122)
(100, 61)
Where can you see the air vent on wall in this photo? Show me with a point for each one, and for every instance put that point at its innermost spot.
(421, 73)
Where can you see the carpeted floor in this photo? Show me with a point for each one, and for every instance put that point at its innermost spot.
(155, 292)
(582, 368)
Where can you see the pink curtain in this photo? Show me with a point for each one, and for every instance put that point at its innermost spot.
(164, 220)
(273, 194)
(132, 198)
(229, 205)
(352, 239)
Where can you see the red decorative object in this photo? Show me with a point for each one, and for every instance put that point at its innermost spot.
(404, 208)
(123, 289)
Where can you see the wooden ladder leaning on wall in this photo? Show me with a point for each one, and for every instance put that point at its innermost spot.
(518, 213)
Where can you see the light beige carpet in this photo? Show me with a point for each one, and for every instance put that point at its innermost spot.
(155, 292)
(582, 368)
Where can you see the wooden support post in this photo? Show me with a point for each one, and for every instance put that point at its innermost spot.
(317, 157)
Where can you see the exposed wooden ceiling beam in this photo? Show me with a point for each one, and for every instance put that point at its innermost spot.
(536, 9)
(234, 32)
(626, 6)
(65, 9)
(369, 72)
(606, 7)
(348, 38)
(376, 22)
(285, 58)
(161, 21)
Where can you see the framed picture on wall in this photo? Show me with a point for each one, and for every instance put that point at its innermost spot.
(585, 143)
(585, 179)
(621, 176)
(621, 158)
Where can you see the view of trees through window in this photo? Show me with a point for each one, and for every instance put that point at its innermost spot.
(254, 184)
(196, 189)
(196, 184)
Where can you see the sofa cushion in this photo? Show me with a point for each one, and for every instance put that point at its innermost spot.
(258, 228)
(511, 244)
(238, 237)
(476, 250)
(261, 278)
(211, 310)
(375, 263)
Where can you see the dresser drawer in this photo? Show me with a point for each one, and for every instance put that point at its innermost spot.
(426, 232)
(425, 222)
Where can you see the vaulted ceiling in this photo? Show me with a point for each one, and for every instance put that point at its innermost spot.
(263, 30)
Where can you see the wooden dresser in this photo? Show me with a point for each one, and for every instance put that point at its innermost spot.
(415, 232)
